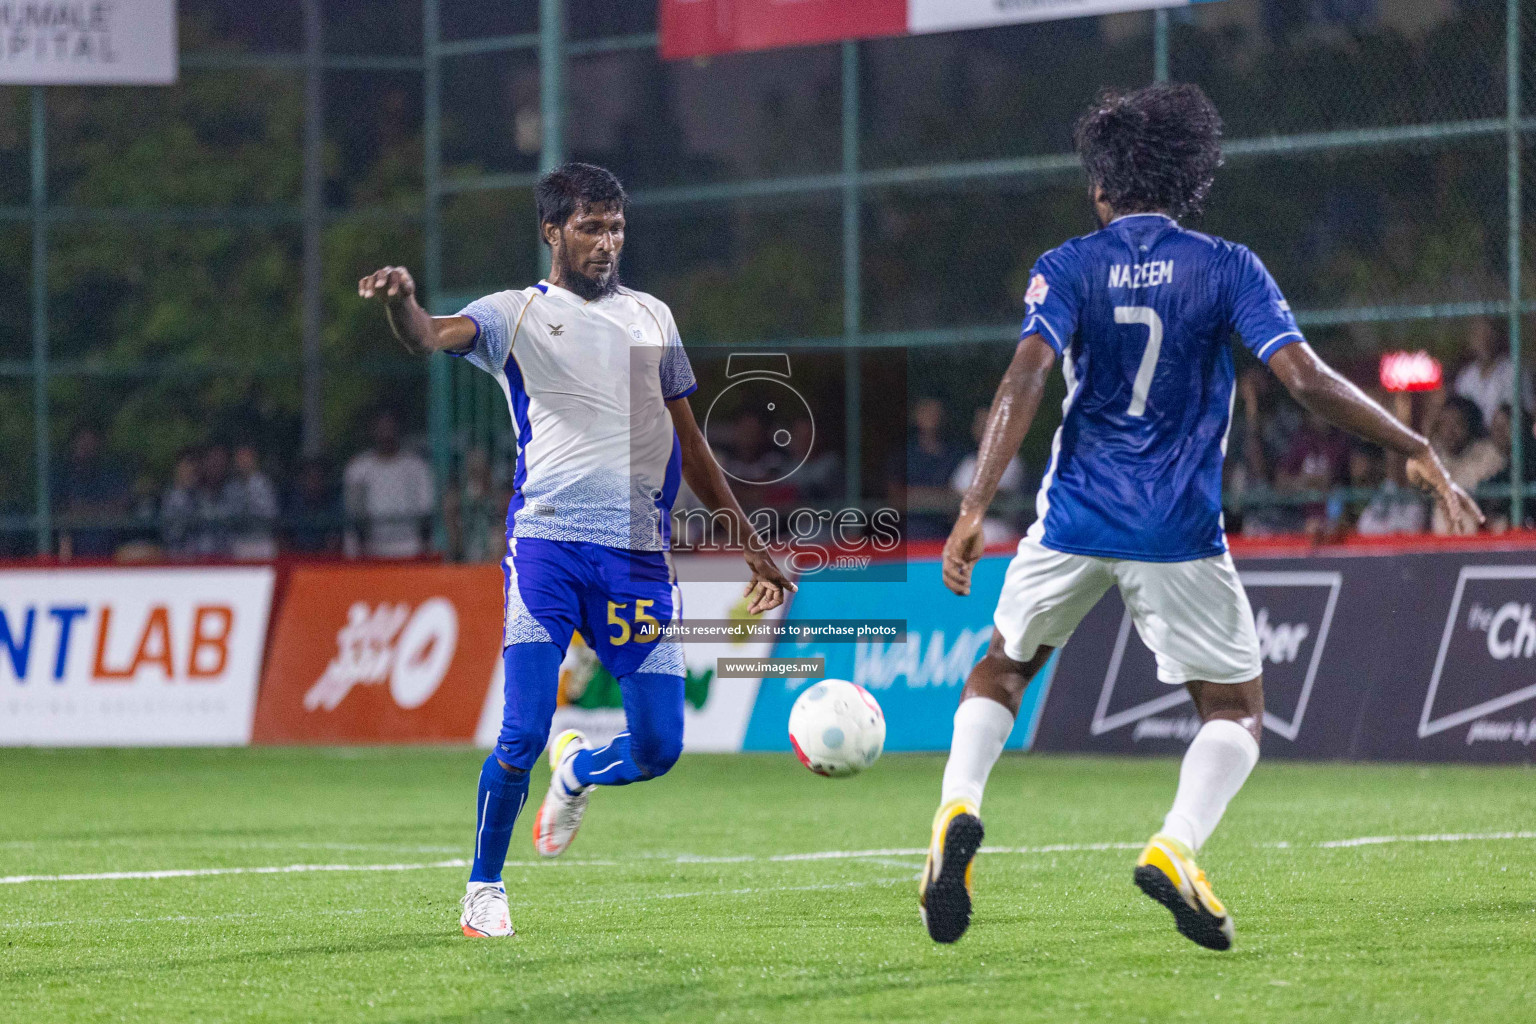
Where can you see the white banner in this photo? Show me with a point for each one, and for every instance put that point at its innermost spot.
(131, 657)
(953, 15)
(87, 42)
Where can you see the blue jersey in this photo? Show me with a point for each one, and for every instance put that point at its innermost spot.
(1141, 314)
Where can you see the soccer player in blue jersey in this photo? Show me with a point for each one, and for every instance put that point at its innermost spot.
(1139, 314)
(597, 383)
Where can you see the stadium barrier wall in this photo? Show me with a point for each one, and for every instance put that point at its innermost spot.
(1406, 656)
(1371, 652)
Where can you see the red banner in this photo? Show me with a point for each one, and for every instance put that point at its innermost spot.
(381, 654)
(696, 28)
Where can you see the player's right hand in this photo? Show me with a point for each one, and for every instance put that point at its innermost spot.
(393, 284)
(1426, 471)
(961, 553)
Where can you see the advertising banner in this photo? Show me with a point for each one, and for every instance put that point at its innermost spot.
(695, 28)
(87, 42)
(131, 657)
(376, 654)
(916, 681)
(1418, 656)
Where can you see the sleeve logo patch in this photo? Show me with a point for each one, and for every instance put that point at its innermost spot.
(1037, 292)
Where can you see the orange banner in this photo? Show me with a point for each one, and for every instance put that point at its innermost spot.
(389, 654)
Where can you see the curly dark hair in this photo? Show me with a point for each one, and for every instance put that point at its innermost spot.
(1153, 149)
(562, 191)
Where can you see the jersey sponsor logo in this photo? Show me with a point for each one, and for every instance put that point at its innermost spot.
(1487, 656)
(1140, 275)
(556, 330)
(1038, 290)
(410, 649)
(1293, 613)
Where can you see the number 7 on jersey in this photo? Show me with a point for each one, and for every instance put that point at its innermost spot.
(1148, 316)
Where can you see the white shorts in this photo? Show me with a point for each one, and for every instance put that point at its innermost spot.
(1194, 615)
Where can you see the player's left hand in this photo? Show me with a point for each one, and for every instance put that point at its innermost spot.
(766, 590)
(962, 550)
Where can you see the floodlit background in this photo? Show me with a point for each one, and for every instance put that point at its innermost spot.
(185, 369)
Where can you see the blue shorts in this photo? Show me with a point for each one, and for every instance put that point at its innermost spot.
(615, 598)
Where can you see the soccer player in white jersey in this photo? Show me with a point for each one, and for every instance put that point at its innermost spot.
(1140, 315)
(597, 384)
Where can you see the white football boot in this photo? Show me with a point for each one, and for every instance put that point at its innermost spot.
(560, 814)
(485, 911)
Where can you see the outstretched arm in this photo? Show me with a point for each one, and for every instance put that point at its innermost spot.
(419, 331)
(707, 480)
(1013, 410)
(1322, 390)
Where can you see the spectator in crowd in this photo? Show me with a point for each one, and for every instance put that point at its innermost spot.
(391, 491)
(1488, 380)
(931, 462)
(220, 502)
(475, 512)
(1392, 508)
(996, 529)
(1265, 421)
(90, 488)
(754, 458)
(1316, 460)
(1462, 443)
(312, 512)
(819, 477)
(1501, 434)
(179, 508)
(255, 505)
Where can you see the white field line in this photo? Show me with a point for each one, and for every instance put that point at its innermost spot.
(96, 922)
(906, 851)
(751, 891)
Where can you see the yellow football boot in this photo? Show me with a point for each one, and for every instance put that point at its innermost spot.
(944, 894)
(1166, 871)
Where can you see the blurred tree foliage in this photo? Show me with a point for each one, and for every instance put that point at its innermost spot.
(203, 315)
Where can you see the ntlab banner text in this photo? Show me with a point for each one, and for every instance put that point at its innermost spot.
(87, 42)
(378, 654)
(131, 657)
(1418, 657)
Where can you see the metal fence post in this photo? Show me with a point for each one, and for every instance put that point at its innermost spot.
(314, 183)
(1160, 45)
(1512, 116)
(551, 98)
(440, 411)
(853, 399)
(40, 421)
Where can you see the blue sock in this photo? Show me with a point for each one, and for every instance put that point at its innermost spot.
(500, 800)
(612, 765)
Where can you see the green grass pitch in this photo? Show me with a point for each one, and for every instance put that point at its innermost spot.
(671, 905)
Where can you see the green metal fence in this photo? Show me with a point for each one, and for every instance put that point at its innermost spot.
(1472, 121)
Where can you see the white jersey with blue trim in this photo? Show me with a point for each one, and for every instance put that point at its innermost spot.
(1142, 314)
(587, 384)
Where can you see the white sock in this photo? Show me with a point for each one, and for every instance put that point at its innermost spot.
(982, 726)
(1215, 767)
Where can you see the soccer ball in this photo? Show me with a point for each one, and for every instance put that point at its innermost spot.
(837, 728)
